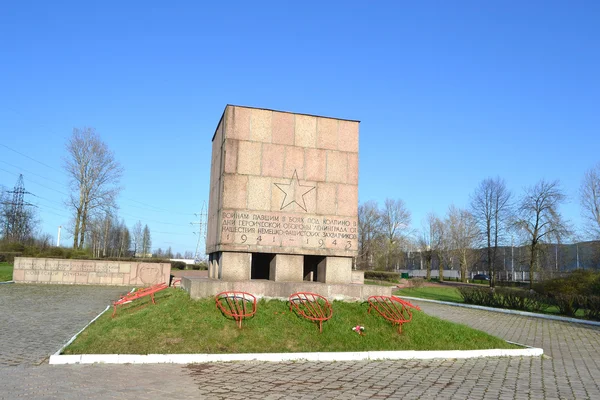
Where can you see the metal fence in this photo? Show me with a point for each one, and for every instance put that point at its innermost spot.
(509, 276)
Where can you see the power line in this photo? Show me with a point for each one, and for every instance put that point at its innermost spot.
(37, 183)
(173, 233)
(46, 207)
(31, 158)
(33, 173)
(155, 209)
(151, 220)
(201, 229)
(18, 225)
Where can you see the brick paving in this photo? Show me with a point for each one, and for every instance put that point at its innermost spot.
(36, 320)
(570, 369)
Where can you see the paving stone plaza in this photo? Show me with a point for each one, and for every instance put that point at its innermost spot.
(36, 320)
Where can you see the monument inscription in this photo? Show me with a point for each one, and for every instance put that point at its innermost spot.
(268, 229)
(90, 272)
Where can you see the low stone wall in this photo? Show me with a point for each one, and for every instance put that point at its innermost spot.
(89, 272)
(358, 277)
(205, 287)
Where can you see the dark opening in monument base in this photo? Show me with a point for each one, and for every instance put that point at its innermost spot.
(261, 264)
(311, 264)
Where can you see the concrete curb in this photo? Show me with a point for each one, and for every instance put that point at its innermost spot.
(506, 311)
(56, 359)
(77, 334)
(6, 282)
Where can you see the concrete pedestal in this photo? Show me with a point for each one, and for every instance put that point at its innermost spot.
(335, 270)
(286, 268)
(238, 266)
(199, 288)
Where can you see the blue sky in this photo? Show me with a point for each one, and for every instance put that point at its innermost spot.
(449, 93)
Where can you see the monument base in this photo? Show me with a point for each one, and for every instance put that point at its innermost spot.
(199, 288)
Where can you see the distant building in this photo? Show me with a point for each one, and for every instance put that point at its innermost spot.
(185, 260)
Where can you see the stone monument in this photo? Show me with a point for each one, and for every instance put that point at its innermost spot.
(283, 203)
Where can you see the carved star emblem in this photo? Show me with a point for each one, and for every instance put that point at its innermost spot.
(294, 192)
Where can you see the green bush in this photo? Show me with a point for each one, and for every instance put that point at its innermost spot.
(569, 294)
(9, 256)
(516, 299)
(382, 276)
(477, 296)
(12, 247)
(578, 282)
(178, 265)
(513, 299)
(202, 266)
(568, 304)
(504, 298)
(591, 308)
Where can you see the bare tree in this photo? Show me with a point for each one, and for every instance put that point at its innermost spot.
(138, 235)
(5, 212)
(490, 205)
(369, 223)
(94, 236)
(439, 243)
(125, 240)
(463, 233)
(538, 216)
(146, 241)
(425, 242)
(395, 220)
(95, 176)
(590, 201)
(44, 241)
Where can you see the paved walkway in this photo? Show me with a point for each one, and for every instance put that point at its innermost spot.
(37, 320)
(570, 369)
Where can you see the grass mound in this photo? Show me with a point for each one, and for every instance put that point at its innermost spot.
(177, 324)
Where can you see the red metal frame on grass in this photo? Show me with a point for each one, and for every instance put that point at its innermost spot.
(406, 303)
(311, 306)
(235, 304)
(391, 308)
(129, 297)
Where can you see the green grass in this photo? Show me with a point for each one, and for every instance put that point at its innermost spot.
(432, 293)
(178, 324)
(553, 310)
(6, 271)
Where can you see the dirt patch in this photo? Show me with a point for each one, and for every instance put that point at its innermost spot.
(172, 340)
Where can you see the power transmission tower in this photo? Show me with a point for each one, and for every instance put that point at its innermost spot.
(202, 217)
(17, 218)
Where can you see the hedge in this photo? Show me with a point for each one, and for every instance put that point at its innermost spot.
(382, 276)
(178, 265)
(568, 304)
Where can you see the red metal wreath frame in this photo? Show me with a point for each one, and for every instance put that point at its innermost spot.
(235, 305)
(311, 306)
